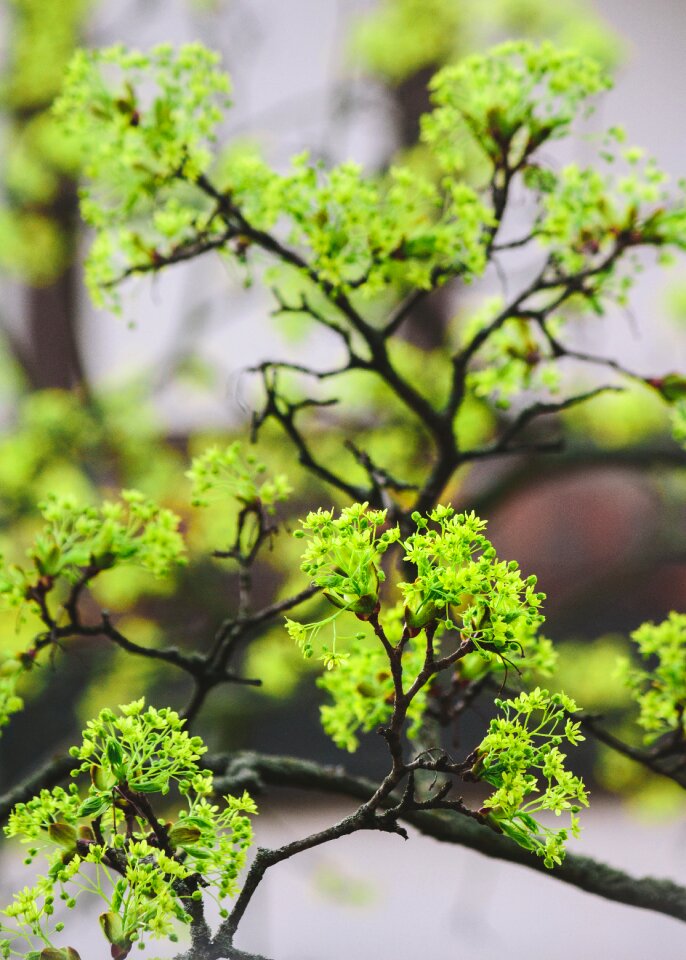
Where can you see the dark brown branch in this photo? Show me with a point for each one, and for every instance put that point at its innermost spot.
(380, 479)
(360, 820)
(373, 338)
(305, 306)
(525, 417)
(189, 251)
(285, 413)
(231, 632)
(514, 244)
(281, 606)
(559, 351)
(301, 368)
(652, 760)
(171, 655)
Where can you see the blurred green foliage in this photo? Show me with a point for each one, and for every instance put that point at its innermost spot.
(401, 37)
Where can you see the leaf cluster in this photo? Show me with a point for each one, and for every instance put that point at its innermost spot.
(133, 530)
(141, 144)
(238, 474)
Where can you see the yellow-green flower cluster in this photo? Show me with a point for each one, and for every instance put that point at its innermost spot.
(509, 101)
(125, 747)
(460, 589)
(660, 690)
(238, 474)
(460, 582)
(512, 359)
(144, 123)
(343, 555)
(111, 843)
(134, 530)
(361, 686)
(521, 757)
(362, 234)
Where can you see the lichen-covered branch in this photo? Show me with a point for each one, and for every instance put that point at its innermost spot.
(255, 771)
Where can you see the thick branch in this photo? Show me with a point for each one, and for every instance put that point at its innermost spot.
(47, 776)
(654, 761)
(591, 876)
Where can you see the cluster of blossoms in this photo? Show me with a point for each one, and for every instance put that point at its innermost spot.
(660, 690)
(482, 615)
(459, 583)
(134, 530)
(145, 123)
(75, 544)
(520, 756)
(238, 474)
(148, 872)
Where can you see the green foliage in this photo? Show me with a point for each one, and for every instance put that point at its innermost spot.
(126, 749)
(458, 577)
(142, 146)
(132, 531)
(660, 686)
(343, 555)
(401, 37)
(510, 101)
(39, 163)
(520, 756)
(512, 361)
(76, 544)
(150, 874)
(345, 235)
(459, 588)
(364, 234)
(461, 583)
(588, 212)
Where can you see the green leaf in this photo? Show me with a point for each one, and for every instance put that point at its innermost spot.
(94, 806)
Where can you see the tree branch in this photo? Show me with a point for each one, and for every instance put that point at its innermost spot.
(253, 771)
(653, 761)
(536, 410)
(47, 776)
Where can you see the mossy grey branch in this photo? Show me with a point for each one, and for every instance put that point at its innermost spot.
(255, 772)
(48, 775)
